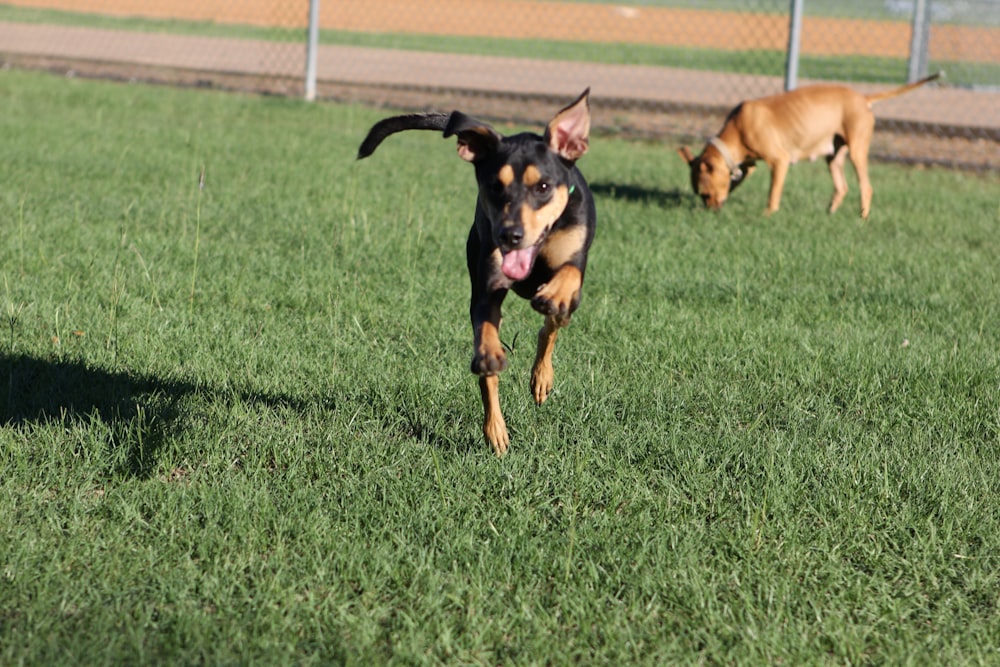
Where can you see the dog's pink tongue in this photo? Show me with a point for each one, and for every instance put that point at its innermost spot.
(517, 263)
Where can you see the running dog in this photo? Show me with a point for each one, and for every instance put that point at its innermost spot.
(533, 226)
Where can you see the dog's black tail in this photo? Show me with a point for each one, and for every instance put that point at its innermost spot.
(389, 126)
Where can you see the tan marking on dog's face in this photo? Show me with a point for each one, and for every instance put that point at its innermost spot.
(536, 221)
(506, 175)
(564, 244)
(531, 175)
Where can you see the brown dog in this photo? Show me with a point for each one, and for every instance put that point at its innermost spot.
(814, 121)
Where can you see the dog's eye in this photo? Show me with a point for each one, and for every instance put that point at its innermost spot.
(542, 187)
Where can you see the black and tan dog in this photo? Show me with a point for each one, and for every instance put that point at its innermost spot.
(533, 226)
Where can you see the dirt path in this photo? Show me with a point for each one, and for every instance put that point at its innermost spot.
(605, 23)
(944, 125)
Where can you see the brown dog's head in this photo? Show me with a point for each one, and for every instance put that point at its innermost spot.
(712, 179)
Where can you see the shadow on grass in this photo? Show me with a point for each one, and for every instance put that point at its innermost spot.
(635, 193)
(410, 416)
(140, 412)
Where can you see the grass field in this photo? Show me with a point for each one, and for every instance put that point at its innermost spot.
(238, 424)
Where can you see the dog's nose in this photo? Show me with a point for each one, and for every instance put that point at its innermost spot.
(512, 236)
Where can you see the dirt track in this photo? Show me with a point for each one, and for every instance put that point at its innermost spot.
(605, 23)
(945, 125)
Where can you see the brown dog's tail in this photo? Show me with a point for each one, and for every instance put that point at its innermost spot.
(384, 128)
(902, 90)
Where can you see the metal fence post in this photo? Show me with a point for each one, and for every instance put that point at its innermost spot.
(794, 38)
(311, 48)
(919, 39)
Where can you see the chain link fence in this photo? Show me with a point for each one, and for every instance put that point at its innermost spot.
(659, 68)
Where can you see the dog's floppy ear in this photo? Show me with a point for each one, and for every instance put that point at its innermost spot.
(568, 133)
(476, 139)
(686, 153)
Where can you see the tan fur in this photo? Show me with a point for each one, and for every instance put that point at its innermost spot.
(537, 222)
(531, 175)
(542, 375)
(494, 426)
(563, 244)
(487, 345)
(506, 175)
(562, 292)
(833, 122)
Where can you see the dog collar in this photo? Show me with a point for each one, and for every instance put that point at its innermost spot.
(735, 172)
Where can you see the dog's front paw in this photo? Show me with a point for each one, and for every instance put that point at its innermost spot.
(489, 361)
(495, 430)
(554, 307)
(560, 296)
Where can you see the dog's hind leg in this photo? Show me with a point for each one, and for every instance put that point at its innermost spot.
(836, 164)
(859, 140)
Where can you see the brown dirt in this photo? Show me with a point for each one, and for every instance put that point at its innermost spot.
(550, 21)
(605, 23)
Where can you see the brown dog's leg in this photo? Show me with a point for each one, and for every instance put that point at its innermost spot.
(494, 427)
(860, 160)
(779, 169)
(859, 140)
(542, 375)
(836, 164)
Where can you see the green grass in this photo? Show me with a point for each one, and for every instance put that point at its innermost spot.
(772, 440)
(141, 24)
(765, 62)
(969, 13)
